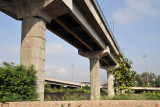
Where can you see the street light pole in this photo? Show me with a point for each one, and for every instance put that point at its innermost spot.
(145, 59)
(72, 71)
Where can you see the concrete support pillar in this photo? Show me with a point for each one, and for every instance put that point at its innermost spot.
(94, 57)
(33, 48)
(110, 84)
(94, 79)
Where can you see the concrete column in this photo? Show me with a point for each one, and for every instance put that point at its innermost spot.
(33, 48)
(110, 84)
(94, 79)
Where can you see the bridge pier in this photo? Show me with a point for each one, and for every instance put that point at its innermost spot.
(110, 84)
(110, 79)
(94, 79)
(94, 57)
(33, 48)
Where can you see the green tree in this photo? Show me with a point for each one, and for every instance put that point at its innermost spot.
(124, 76)
(151, 79)
(138, 80)
(146, 79)
(17, 83)
(157, 81)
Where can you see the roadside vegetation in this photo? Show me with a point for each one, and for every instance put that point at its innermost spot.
(75, 94)
(155, 95)
(124, 75)
(48, 89)
(17, 83)
(147, 79)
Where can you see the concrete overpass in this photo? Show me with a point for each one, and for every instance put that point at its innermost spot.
(58, 82)
(78, 22)
(145, 88)
(69, 84)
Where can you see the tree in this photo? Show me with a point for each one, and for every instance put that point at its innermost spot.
(17, 83)
(138, 80)
(146, 79)
(124, 76)
(151, 79)
(157, 81)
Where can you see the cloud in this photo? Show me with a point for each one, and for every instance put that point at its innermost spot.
(57, 72)
(53, 48)
(135, 10)
(125, 16)
(11, 49)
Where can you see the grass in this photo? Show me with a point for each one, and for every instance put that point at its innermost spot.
(133, 96)
(128, 96)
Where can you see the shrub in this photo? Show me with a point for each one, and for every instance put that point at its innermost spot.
(48, 98)
(48, 88)
(152, 96)
(68, 97)
(17, 83)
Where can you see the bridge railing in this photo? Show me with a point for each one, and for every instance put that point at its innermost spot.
(96, 1)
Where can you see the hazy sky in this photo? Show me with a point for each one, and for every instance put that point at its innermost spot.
(137, 30)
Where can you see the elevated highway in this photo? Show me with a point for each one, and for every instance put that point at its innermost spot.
(140, 89)
(58, 82)
(78, 22)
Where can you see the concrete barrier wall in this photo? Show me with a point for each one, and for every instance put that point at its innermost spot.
(102, 103)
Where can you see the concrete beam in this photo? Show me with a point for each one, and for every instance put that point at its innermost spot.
(25, 8)
(100, 21)
(33, 48)
(110, 67)
(5, 3)
(81, 19)
(72, 32)
(95, 54)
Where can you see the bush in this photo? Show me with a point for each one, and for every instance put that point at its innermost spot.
(17, 83)
(48, 88)
(69, 97)
(152, 96)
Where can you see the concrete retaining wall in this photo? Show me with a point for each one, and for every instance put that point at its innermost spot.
(102, 103)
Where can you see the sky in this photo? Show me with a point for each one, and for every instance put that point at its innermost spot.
(136, 29)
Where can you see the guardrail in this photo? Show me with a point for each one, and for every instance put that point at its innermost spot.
(96, 1)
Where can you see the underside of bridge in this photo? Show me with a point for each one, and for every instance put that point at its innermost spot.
(78, 22)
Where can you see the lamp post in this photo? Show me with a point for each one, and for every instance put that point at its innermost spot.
(145, 62)
(72, 71)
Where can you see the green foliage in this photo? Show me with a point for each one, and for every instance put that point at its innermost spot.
(157, 81)
(86, 87)
(124, 76)
(132, 96)
(48, 98)
(48, 89)
(104, 91)
(152, 96)
(138, 79)
(17, 83)
(147, 79)
(129, 97)
(68, 97)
